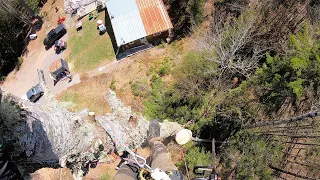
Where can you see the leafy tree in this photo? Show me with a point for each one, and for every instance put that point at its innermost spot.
(181, 101)
(250, 156)
(15, 24)
(155, 105)
(185, 14)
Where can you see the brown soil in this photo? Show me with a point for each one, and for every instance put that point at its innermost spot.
(18, 82)
(52, 174)
(90, 93)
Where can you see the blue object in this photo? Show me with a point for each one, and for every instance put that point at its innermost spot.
(102, 28)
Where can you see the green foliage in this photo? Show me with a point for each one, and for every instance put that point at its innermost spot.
(182, 101)
(105, 177)
(140, 88)
(113, 85)
(297, 87)
(19, 63)
(291, 75)
(185, 14)
(197, 11)
(9, 115)
(155, 105)
(33, 4)
(194, 156)
(164, 68)
(251, 155)
(14, 27)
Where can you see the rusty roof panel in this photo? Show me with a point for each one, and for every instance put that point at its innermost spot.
(56, 65)
(154, 16)
(135, 19)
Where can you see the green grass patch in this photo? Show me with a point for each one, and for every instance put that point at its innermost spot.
(113, 85)
(70, 97)
(87, 48)
(105, 177)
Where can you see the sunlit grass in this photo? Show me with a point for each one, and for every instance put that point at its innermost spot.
(87, 49)
(88, 94)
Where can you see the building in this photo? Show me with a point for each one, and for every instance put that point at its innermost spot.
(137, 22)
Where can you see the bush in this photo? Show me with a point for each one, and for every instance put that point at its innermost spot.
(105, 177)
(155, 105)
(19, 63)
(164, 68)
(183, 100)
(251, 155)
(140, 88)
(194, 156)
(9, 121)
(113, 85)
(33, 4)
(290, 77)
(9, 115)
(185, 14)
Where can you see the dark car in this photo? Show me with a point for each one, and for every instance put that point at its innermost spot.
(60, 46)
(35, 93)
(54, 35)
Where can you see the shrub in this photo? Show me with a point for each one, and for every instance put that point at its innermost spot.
(112, 85)
(19, 63)
(195, 156)
(9, 115)
(250, 155)
(164, 68)
(140, 88)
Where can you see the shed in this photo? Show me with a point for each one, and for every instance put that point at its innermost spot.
(137, 22)
(58, 67)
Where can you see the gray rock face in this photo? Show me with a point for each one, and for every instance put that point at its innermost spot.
(48, 135)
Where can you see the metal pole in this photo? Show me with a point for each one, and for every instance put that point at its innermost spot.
(213, 155)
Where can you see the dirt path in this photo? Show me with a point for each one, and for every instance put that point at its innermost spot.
(19, 82)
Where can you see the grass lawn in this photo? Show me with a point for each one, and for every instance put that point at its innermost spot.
(87, 49)
(88, 94)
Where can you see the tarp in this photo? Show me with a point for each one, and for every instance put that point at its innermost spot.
(72, 6)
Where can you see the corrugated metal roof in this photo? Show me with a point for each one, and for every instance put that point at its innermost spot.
(135, 19)
(154, 16)
(126, 21)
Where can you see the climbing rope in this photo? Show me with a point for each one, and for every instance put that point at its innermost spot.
(146, 172)
(140, 161)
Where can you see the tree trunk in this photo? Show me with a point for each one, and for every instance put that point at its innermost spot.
(47, 135)
(30, 11)
(290, 173)
(285, 121)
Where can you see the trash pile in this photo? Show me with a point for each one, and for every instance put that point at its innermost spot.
(82, 7)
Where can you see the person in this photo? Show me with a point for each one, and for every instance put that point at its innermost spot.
(159, 158)
(8, 170)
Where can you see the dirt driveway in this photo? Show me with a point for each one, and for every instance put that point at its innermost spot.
(19, 82)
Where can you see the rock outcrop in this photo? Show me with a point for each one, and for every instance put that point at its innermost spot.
(47, 135)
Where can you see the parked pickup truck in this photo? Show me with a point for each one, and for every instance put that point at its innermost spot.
(54, 35)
